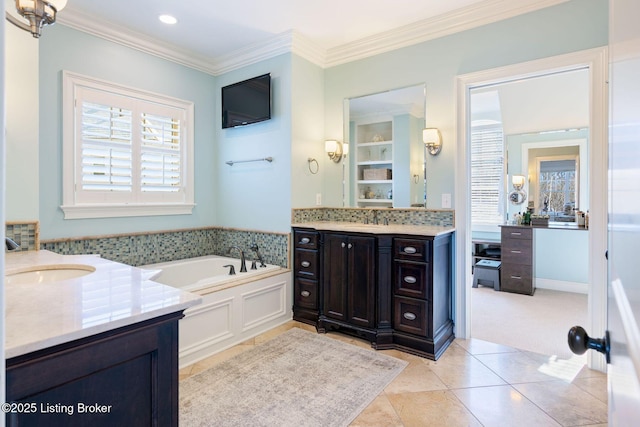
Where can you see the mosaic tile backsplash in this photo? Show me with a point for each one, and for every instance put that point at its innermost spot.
(436, 217)
(151, 248)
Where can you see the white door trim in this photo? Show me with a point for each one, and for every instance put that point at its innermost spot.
(596, 60)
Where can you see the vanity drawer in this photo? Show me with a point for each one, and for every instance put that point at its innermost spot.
(516, 278)
(516, 251)
(305, 239)
(516, 233)
(412, 280)
(306, 263)
(412, 249)
(410, 316)
(305, 293)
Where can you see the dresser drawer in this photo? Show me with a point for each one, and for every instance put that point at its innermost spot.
(305, 293)
(516, 233)
(305, 239)
(412, 249)
(412, 280)
(410, 316)
(306, 263)
(516, 278)
(517, 251)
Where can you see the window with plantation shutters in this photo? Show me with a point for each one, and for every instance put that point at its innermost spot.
(126, 152)
(487, 176)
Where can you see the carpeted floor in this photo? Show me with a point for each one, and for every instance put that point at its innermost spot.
(296, 379)
(537, 323)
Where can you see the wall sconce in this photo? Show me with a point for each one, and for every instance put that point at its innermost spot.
(432, 139)
(336, 150)
(518, 195)
(37, 14)
(518, 182)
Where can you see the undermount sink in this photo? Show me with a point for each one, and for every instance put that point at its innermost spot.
(48, 274)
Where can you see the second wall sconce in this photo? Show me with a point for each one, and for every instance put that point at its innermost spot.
(35, 14)
(432, 140)
(336, 150)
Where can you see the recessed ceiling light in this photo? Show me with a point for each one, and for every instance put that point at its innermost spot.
(167, 19)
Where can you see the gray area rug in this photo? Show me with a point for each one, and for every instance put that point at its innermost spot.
(297, 379)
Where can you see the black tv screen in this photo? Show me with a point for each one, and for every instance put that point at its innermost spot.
(246, 102)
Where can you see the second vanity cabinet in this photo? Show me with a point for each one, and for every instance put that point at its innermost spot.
(517, 260)
(393, 290)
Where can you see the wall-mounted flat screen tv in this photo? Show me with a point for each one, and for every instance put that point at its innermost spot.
(246, 102)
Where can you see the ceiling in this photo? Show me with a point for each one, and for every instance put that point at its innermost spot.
(218, 35)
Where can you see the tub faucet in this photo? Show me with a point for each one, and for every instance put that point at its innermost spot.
(10, 244)
(243, 261)
(255, 249)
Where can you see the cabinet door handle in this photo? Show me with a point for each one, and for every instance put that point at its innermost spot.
(410, 279)
(409, 316)
(349, 246)
(516, 252)
(516, 234)
(305, 293)
(305, 264)
(343, 244)
(305, 240)
(409, 250)
(517, 277)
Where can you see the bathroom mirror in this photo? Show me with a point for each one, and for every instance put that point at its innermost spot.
(517, 125)
(387, 155)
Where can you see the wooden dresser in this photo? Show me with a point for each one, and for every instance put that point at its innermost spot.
(517, 259)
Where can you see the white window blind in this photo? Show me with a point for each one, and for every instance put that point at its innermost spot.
(127, 152)
(487, 175)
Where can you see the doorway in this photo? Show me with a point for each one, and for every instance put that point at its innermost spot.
(594, 61)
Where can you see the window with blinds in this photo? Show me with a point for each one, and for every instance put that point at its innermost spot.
(487, 175)
(131, 152)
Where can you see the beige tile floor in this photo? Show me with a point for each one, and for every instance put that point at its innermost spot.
(474, 383)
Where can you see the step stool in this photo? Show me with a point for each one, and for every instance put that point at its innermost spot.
(487, 273)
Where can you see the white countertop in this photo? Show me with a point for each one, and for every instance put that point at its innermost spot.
(416, 230)
(41, 315)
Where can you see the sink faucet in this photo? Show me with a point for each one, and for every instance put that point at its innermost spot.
(243, 261)
(10, 244)
(255, 249)
(375, 217)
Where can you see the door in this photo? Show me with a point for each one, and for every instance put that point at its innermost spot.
(624, 213)
(335, 276)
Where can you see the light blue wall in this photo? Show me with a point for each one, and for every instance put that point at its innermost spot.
(64, 48)
(572, 26)
(256, 195)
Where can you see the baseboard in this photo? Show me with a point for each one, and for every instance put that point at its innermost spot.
(561, 285)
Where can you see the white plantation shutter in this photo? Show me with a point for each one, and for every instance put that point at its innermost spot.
(130, 152)
(106, 148)
(160, 153)
(487, 175)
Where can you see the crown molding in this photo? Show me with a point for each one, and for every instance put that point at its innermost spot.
(134, 40)
(291, 41)
(472, 16)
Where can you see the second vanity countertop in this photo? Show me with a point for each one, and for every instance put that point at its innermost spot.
(42, 315)
(354, 227)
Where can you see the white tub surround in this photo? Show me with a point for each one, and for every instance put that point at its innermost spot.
(42, 315)
(234, 308)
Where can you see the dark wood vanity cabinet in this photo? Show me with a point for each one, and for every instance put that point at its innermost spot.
(394, 291)
(306, 273)
(422, 294)
(127, 376)
(516, 271)
(349, 278)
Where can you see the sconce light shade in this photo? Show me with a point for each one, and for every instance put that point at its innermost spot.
(335, 150)
(35, 14)
(518, 181)
(432, 140)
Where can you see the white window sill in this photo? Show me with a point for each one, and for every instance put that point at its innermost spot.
(117, 211)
